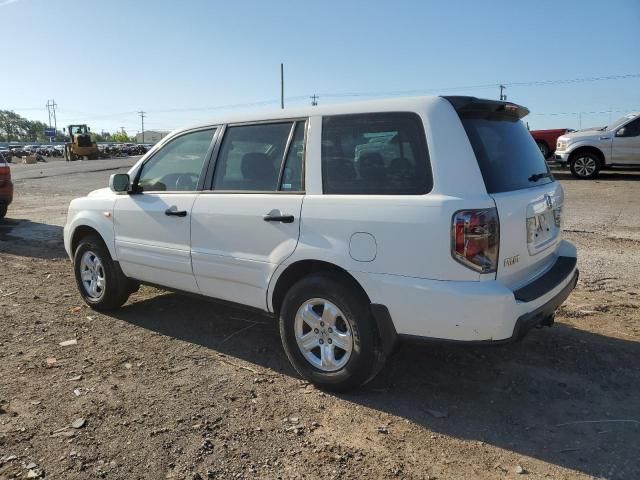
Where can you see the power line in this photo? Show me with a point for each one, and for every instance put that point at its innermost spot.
(369, 94)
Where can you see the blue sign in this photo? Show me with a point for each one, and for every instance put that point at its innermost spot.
(49, 132)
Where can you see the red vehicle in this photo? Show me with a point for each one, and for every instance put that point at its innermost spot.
(6, 186)
(546, 139)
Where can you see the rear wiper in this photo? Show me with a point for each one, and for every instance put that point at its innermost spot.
(537, 176)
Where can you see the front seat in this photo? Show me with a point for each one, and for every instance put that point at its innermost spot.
(258, 172)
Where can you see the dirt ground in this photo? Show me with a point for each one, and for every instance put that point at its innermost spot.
(174, 387)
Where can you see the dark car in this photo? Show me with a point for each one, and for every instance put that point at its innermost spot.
(6, 186)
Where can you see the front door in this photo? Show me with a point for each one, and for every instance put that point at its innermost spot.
(152, 224)
(249, 222)
(626, 144)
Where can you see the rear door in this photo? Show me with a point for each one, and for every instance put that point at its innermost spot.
(249, 221)
(528, 200)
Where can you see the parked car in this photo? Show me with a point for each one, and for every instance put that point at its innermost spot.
(350, 256)
(591, 150)
(5, 153)
(6, 186)
(546, 140)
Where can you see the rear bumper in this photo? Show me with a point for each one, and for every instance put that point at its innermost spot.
(474, 312)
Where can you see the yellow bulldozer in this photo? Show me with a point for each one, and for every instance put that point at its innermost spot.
(80, 146)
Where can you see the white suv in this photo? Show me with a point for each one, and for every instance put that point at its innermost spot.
(356, 225)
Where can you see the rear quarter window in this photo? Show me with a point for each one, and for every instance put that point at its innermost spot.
(375, 154)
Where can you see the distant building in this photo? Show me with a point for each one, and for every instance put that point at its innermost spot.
(151, 136)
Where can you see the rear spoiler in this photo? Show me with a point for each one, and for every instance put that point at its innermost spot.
(472, 107)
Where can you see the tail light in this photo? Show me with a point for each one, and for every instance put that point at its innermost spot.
(475, 237)
(5, 173)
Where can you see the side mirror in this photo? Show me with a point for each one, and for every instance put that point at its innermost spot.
(620, 132)
(119, 182)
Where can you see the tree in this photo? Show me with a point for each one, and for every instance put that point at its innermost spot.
(19, 129)
(120, 137)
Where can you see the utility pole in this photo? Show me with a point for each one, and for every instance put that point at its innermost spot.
(51, 109)
(55, 119)
(282, 86)
(141, 113)
(48, 105)
(314, 100)
(503, 96)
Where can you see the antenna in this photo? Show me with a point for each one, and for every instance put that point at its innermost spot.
(314, 100)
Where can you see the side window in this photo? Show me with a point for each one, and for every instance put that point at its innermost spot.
(631, 129)
(251, 156)
(293, 171)
(376, 154)
(177, 166)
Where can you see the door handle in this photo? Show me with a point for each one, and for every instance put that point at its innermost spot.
(277, 216)
(171, 212)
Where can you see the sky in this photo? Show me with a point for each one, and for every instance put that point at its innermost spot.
(184, 60)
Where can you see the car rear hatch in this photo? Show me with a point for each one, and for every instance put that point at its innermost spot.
(527, 198)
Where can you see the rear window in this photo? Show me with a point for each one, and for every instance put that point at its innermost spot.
(376, 154)
(507, 153)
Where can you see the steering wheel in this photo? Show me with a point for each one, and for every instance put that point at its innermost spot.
(187, 181)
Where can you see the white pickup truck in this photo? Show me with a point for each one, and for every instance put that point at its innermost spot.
(590, 150)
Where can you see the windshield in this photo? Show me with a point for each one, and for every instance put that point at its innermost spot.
(618, 122)
(507, 154)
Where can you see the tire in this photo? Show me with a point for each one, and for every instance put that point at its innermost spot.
(3, 210)
(324, 363)
(544, 150)
(112, 287)
(585, 165)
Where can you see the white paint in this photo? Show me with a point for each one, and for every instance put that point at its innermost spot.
(397, 247)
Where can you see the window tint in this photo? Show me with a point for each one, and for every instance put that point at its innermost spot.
(292, 173)
(379, 153)
(506, 152)
(177, 166)
(631, 129)
(250, 157)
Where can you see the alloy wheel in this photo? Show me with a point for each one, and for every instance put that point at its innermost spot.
(323, 334)
(585, 166)
(92, 275)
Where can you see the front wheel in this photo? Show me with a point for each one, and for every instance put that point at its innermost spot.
(585, 165)
(328, 332)
(100, 280)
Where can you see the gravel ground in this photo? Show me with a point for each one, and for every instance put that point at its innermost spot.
(175, 387)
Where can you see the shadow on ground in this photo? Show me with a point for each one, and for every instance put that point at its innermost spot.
(557, 396)
(31, 239)
(608, 175)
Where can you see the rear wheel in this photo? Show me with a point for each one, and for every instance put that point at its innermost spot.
(328, 332)
(585, 165)
(3, 210)
(100, 280)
